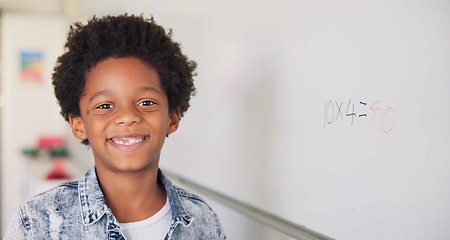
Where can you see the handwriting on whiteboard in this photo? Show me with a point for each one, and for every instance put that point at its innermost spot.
(354, 111)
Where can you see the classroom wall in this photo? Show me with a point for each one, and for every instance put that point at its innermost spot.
(273, 123)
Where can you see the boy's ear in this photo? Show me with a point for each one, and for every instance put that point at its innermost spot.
(175, 118)
(77, 125)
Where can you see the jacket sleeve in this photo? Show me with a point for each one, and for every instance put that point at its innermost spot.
(15, 230)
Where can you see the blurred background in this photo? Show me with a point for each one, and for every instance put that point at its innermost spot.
(329, 114)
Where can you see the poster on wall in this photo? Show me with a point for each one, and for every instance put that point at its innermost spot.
(31, 66)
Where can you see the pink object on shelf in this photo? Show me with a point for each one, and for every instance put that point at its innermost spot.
(50, 142)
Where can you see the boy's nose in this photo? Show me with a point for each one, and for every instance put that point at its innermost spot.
(127, 116)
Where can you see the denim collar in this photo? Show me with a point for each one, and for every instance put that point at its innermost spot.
(93, 204)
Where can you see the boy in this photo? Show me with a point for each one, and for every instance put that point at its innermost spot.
(123, 85)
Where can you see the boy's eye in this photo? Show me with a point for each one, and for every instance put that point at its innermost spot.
(104, 106)
(146, 103)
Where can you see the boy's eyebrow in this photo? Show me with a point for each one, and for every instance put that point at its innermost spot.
(100, 93)
(150, 89)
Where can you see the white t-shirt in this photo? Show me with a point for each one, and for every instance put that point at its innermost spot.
(154, 227)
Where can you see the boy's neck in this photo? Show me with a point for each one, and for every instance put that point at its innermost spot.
(132, 196)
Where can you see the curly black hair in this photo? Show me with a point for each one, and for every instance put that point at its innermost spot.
(121, 36)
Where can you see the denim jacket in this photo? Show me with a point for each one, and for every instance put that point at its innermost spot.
(77, 210)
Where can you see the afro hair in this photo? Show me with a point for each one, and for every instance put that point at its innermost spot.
(118, 37)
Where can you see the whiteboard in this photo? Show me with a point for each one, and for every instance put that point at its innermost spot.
(332, 114)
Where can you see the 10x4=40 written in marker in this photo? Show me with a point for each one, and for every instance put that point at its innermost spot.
(353, 111)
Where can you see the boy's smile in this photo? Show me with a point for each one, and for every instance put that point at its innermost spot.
(128, 140)
(124, 115)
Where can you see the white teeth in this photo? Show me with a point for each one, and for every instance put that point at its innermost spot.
(127, 141)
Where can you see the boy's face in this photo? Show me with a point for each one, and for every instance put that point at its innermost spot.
(124, 113)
